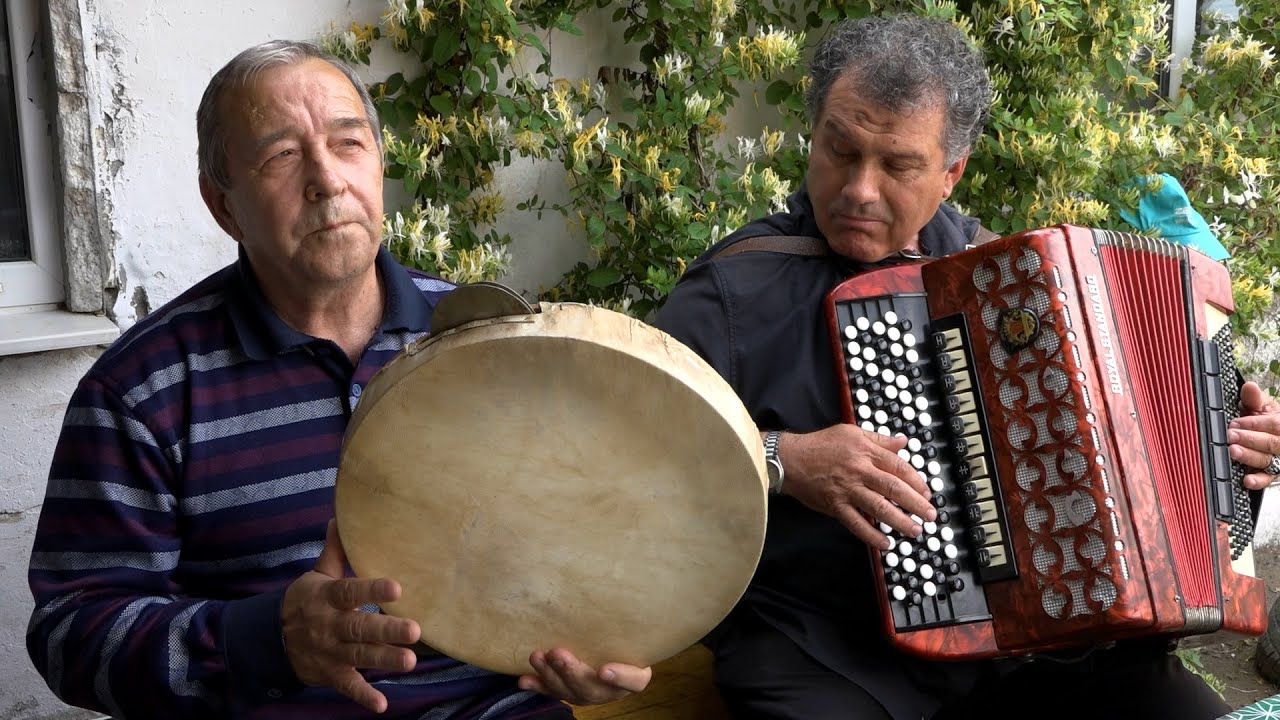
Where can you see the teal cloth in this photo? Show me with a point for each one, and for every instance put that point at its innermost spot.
(1166, 212)
(1261, 710)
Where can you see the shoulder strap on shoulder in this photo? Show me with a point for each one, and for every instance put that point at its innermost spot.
(984, 235)
(789, 244)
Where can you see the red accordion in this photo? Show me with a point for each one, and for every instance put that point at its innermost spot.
(1065, 393)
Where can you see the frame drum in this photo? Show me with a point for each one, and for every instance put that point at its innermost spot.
(565, 478)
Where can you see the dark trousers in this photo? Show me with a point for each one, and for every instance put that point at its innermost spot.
(766, 676)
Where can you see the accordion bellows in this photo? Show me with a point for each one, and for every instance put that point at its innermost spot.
(1065, 393)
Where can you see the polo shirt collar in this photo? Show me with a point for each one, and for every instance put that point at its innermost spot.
(262, 333)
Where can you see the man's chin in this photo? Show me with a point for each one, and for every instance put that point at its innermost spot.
(861, 246)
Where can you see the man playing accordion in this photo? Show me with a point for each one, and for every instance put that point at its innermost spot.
(896, 104)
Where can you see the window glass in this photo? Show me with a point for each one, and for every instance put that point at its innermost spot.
(15, 243)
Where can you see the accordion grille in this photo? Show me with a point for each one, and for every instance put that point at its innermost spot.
(1066, 508)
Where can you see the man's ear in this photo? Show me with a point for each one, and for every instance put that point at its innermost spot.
(215, 199)
(952, 175)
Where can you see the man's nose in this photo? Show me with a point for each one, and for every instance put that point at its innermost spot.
(324, 179)
(861, 184)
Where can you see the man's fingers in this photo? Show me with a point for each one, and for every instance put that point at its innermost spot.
(354, 593)
(861, 528)
(1253, 399)
(627, 677)
(376, 628)
(374, 656)
(578, 678)
(1258, 481)
(353, 685)
(902, 470)
(892, 463)
(1266, 423)
(892, 443)
(883, 510)
(551, 682)
(1253, 448)
(895, 491)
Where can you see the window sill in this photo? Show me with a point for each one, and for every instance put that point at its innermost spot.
(28, 332)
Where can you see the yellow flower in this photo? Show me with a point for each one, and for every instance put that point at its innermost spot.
(669, 179)
(615, 173)
(486, 208)
(651, 160)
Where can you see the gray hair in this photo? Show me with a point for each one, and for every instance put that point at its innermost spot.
(905, 62)
(210, 131)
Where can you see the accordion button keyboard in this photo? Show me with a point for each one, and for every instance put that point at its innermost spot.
(897, 389)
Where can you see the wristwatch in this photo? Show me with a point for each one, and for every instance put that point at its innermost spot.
(772, 462)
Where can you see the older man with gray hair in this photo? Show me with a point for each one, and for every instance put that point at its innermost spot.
(896, 104)
(185, 564)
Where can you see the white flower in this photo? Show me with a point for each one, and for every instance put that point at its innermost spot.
(671, 66)
(1002, 28)
(398, 11)
(747, 148)
(1217, 226)
(1164, 144)
(696, 107)
(602, 134)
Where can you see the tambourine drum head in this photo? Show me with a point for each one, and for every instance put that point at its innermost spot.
(570, 478)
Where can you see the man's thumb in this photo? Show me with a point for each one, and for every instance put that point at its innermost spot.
(333, 559)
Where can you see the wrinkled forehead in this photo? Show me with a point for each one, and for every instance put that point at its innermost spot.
(307, 93)
(850, 109)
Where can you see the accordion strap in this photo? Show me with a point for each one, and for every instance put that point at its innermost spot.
(789, 244)
(811, 246)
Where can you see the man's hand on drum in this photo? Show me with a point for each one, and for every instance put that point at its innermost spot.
(858, 478)
(1255, 436)
(327, 636)
(561, 675)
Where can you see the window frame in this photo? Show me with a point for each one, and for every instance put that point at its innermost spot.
(71, 249)
(37, 283)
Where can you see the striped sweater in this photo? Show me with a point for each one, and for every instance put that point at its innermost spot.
(191, 483)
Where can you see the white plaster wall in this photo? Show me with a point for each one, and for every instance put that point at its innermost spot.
(148, 63)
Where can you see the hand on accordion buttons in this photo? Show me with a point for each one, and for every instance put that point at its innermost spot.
(327, 636)
(563, 676)
(1255, 435)
(858, 478)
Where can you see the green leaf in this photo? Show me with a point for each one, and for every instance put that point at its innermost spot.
(616, 212)
(394, 83)
(777, 92)
(603, 276)
(536, 42)
(442, 104)
(595, 227)
(565, 24)
(471, 79)
(699, 231)
(1115, 69)
(446, 46)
